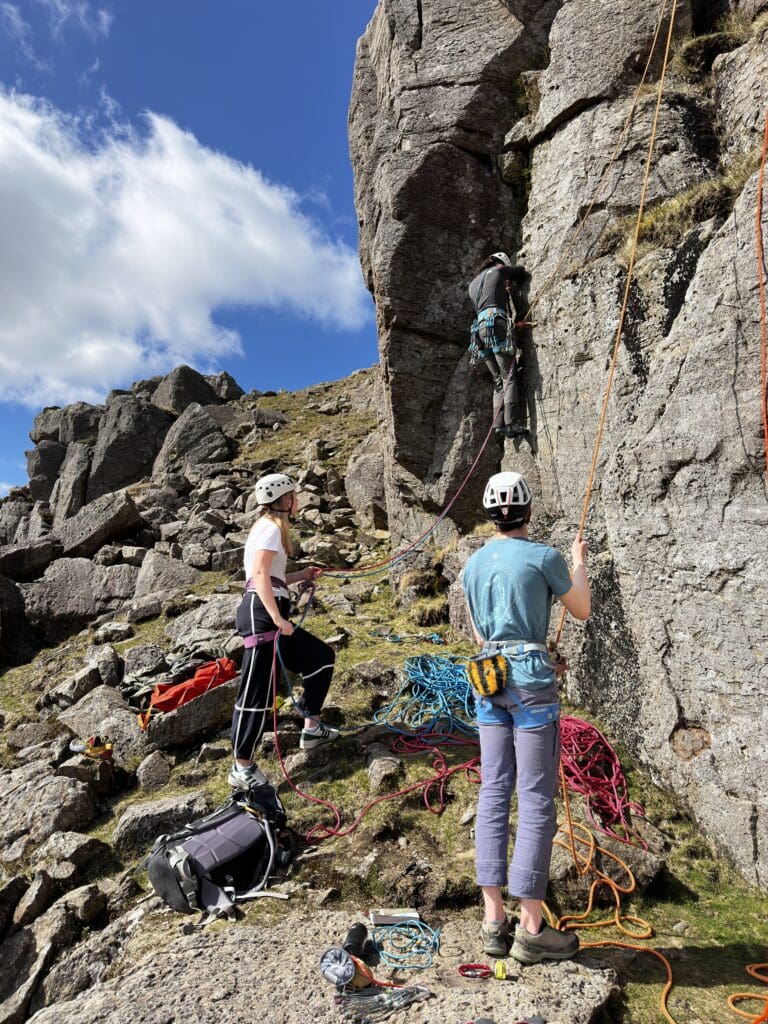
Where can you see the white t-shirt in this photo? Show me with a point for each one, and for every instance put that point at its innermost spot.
(266, 536)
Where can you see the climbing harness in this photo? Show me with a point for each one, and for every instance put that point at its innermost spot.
(480, 348)
(258, 639)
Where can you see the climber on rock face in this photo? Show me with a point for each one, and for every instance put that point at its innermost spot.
(492, 334)
(509, 585)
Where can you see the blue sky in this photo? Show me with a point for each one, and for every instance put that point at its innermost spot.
(175, 186)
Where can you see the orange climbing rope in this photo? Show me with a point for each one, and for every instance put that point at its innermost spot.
(585, 862)
(550, 280)
(761, 289)
(627, 287)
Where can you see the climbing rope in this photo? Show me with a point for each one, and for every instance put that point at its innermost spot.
(761, 290)
(625, 300)
(410, 946)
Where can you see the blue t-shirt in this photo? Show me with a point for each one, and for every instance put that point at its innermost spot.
(509, 585)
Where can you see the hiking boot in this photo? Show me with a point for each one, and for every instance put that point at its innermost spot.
(547, 945)
(496, 937)
(317, 736)
(243, 776)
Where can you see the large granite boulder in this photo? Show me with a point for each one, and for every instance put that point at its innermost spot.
(73, 591)
(141, 823)
(105, 519)
(161, 574)
(79, 422)
(43, 465)
(183, 386)
(36, 803)
(225, 386)
(13, 511)
(46, 425)
(194, 439)
(201, 718)
(131, 433)
(69, 492)
(104, 712)
(16, 634)
(364, 484)
(26, 562)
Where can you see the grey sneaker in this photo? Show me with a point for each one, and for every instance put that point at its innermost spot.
(547, 945)
(244, 776)
(311, 738)
(496, 937)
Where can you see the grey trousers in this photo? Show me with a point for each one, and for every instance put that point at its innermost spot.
(526, 759)
(498, 365)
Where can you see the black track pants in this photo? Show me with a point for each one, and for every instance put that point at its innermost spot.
(301, 652)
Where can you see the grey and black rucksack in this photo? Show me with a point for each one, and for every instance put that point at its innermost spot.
(222, 859)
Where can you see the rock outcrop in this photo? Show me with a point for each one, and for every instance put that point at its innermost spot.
(507, 116)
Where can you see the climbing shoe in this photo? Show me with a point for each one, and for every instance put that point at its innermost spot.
(96, 747)
(496, 937)
(317, 736)
(547, 945)
(512, 430)
(243, 776)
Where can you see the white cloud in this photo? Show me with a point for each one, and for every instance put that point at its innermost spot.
(20, 32)
(95, 21)
(118, 253)
(5, 488)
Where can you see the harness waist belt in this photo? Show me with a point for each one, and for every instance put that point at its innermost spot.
(259, 638)
(274, 580)
(518, 649)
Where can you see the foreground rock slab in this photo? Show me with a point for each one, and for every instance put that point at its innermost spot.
(230, 976)
(36, 803)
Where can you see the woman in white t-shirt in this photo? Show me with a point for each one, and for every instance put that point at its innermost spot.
(264, 610)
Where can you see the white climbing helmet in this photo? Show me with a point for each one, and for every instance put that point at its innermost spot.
(273, 486)
(502, 257)
(507, 497)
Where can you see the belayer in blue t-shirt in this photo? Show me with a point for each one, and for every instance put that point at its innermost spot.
(510, 585)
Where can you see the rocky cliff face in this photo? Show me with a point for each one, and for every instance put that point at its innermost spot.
(490, 126)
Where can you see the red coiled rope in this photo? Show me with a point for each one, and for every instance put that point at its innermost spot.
(591, 767)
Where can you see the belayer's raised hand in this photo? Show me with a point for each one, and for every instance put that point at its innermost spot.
(579, 551)
(313, 572)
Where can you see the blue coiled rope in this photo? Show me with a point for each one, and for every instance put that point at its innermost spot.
(411, 946)
(436, 699)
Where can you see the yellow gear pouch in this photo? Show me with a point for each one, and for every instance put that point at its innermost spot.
(487, 675)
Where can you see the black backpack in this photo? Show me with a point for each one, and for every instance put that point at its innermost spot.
(222, 859)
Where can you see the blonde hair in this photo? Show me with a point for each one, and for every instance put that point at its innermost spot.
(281, 520)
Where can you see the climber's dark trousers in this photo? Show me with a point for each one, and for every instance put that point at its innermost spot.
(301, 653)
(499, 364)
